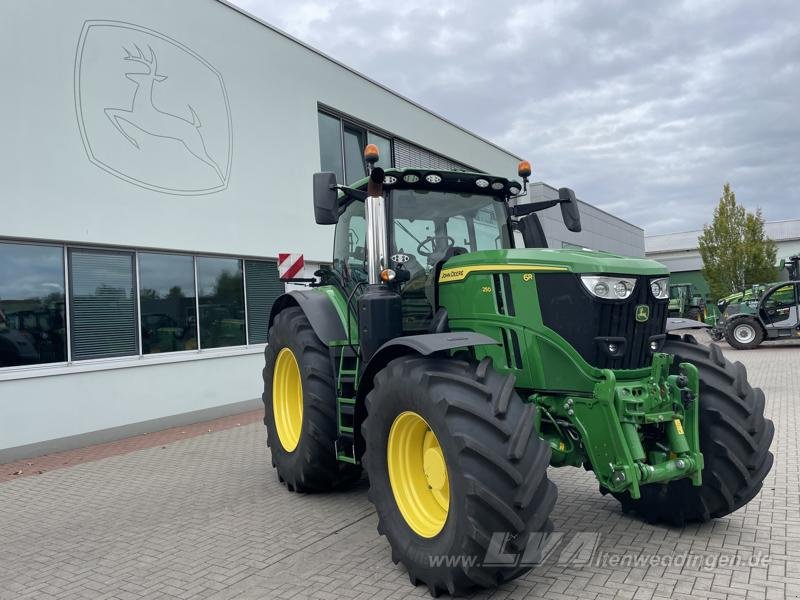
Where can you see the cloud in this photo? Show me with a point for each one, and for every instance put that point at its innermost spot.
(644, 108)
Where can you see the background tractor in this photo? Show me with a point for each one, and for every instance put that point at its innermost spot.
(455, 367)
(686, 302)
(765, 312)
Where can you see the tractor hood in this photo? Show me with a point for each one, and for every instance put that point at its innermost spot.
(574, 261)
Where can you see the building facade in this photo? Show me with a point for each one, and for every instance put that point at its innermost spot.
(680, 253)
(156, 158)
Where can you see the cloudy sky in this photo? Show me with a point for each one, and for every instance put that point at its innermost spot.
(644, 108)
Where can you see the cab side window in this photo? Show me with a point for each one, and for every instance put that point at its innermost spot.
(783, 297)
(350, 246)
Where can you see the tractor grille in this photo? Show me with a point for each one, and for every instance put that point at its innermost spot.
(589, 323)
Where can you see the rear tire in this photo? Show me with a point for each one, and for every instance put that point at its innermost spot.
(734, 438)
(745, 333)
(306, 457)
(695, 314)
(496, 468)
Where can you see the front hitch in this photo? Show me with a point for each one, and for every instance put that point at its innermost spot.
(644, 431)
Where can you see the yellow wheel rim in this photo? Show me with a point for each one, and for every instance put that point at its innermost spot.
(418, 474)
(287, 399)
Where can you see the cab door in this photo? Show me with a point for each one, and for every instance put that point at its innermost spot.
(779, 307)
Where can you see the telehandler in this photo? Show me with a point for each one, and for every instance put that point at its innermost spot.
(769, 312)
(454, 367)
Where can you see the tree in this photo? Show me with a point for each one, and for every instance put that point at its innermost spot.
(176, 292)
(735, 250)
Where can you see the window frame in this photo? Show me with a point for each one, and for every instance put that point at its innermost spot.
(139, 299)
(136, 312)
(366, 129)
(244, 301)
(67, 318)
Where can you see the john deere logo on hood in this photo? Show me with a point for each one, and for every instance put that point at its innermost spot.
(642, 312)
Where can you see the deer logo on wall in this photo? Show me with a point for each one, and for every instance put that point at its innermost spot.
(145, 116)
(151, 110)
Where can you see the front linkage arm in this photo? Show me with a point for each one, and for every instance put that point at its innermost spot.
(633, 432)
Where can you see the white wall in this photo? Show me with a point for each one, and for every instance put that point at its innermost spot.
(273, 86)
(44, 408)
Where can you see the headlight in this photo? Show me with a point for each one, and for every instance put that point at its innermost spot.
(609, 288)
(660, 288)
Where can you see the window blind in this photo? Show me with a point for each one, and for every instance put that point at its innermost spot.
(263, 288)
(103, 307)
(410, 156)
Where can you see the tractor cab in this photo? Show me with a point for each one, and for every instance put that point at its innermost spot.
(426, 225)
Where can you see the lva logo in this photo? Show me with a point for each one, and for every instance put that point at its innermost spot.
(151, 110)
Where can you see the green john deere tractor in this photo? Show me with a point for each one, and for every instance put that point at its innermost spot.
(454, 367)
(686, 302)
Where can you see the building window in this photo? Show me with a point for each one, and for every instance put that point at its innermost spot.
(167, 303)
(384, 145)
(330, 145)
(354, 166)
(341, 148)
(221, 302)
(110, 303)
(263, 288)
(102, 304)
(32, 307)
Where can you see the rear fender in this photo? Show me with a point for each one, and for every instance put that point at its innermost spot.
(319, 309)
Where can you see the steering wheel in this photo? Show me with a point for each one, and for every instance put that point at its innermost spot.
(422, 251)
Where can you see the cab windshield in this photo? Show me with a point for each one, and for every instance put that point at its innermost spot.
(424, 225)
(428, 227)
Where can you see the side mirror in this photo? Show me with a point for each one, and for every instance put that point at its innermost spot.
(326, 203)
(532, 233)
(569, 209)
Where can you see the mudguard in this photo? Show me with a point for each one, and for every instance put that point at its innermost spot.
(319, 310)
(424, 345)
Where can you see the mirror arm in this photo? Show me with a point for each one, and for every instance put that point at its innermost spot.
(350, 196)
(525, 209)
(350, 192)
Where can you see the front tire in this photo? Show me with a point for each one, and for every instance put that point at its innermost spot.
(745, 333)
(734, 438)
(300, 407)
(453, 457)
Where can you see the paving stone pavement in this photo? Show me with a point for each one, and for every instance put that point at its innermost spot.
(205, 517)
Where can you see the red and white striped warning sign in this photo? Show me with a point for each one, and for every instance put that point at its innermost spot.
(289, 265)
